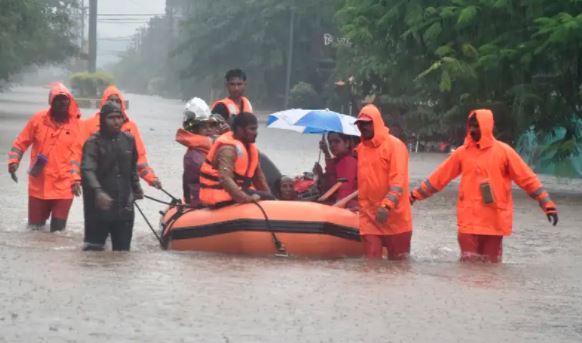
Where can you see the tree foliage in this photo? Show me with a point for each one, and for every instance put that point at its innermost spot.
(253, 35)
(35, 32)
(433, 60)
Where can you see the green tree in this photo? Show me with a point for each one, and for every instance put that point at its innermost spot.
(35, 32)
(253, 35)
(433, 60)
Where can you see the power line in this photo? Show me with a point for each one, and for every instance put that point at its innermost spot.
(130, 14)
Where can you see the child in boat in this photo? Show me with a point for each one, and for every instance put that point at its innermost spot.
(343, 165)
(285, 188)
(197, 128)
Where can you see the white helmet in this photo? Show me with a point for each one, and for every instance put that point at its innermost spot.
(197, 109)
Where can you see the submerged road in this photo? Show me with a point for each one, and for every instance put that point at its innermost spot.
(50, 291)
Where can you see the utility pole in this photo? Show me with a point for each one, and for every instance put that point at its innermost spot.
(83, 10)
(289, 54)
(92, 36)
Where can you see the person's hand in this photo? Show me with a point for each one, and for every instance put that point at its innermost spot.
(77, 191)
(317, 169)
(103, 200)
(12, 168)
(156, 184)
(382, 215)
(138, 194)
(323, 148)
(255, 197)
(552, 215)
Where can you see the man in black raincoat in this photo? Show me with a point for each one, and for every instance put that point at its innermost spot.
(110, 183)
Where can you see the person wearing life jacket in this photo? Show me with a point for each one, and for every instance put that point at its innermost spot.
(53, 165)
(235, 103)
(196, 133)
(385, 211)
(485, 206)
(231, 172)
(91, 126)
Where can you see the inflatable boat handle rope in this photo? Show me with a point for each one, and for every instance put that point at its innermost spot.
(281, 251)
(174, 202)
(148, 222)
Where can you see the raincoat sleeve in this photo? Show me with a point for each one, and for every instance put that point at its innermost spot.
(78, 152)
(22, 142)
(527, 180)
(135, 186)
(89, 165)
(143, 168)
(398, 177)
(440, 178)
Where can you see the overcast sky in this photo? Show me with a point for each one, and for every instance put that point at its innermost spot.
(113, 35)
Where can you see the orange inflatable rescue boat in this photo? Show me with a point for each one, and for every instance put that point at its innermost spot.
(294, 228)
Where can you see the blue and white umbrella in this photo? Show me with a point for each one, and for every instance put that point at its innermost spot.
(313, 121)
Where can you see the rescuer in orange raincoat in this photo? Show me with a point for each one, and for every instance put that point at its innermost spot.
(484, 208)
(53, 164)
(385, 216)
(91, 126)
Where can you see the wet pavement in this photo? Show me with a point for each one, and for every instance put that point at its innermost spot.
(50, 291)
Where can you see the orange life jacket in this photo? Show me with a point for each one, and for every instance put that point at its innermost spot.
(211, 191)
(232, 106)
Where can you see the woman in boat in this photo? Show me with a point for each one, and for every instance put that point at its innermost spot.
(197, 128)
(343, 165)
(285, 188)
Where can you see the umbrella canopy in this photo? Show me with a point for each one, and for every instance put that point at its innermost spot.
(313, 121)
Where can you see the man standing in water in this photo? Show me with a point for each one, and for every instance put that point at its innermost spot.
(232, 167)
(52, 134)
(484, 207)
(110, 182)
(235, 103)
(385, 216)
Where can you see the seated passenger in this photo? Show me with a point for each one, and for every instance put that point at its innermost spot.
(343, 166)
(195, 133)
(285, 189)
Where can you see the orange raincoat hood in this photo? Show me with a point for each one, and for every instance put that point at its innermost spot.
(487, 162)
(57, 88)
(381, 131)
(382, 179)
(112, 90)
(57, 142)
(193, 141)
(91, 125)
(486, 124)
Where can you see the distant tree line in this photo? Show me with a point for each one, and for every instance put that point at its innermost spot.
(427, 62)
(35, 32)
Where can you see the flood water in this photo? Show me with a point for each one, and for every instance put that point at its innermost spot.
(50, 291)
